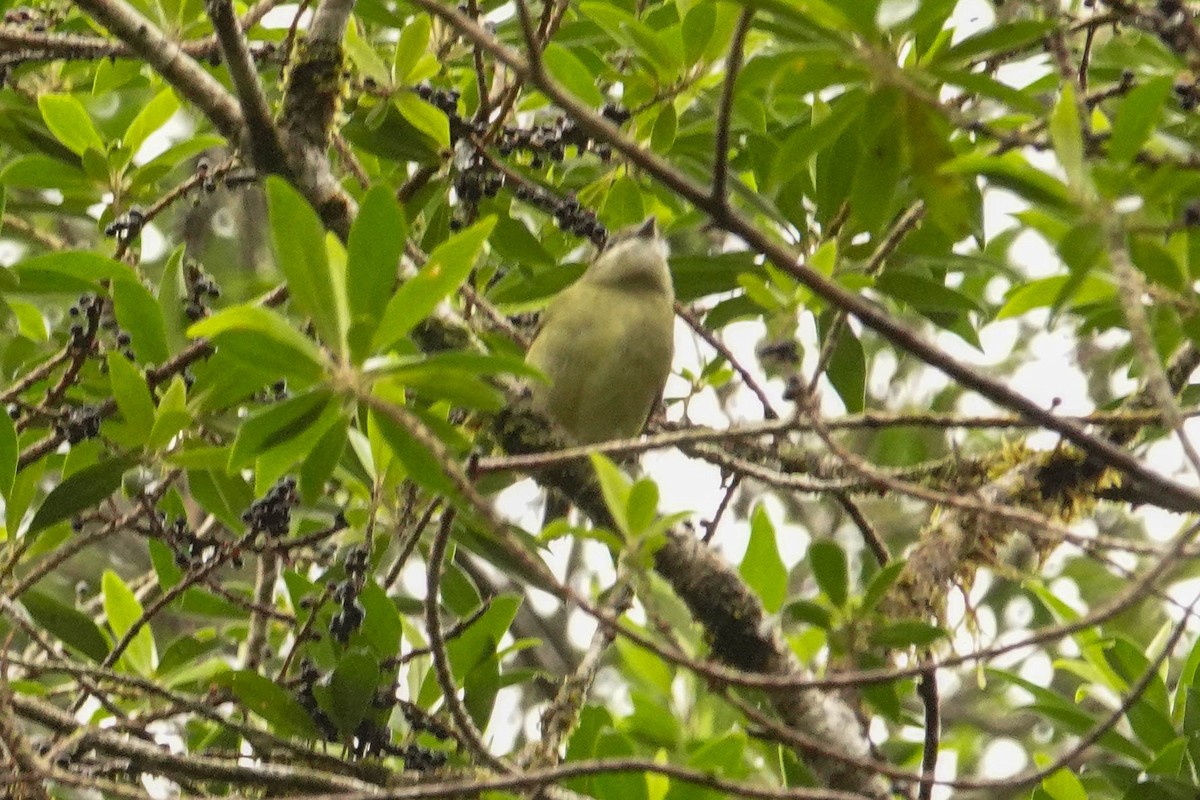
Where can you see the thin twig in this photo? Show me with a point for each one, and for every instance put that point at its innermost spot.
(733, 65)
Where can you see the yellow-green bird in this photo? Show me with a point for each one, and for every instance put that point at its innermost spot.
(606, 341)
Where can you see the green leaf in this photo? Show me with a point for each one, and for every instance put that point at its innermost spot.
(352, 688)
(830, 570)
(80, 491)
(807, 140)
(376, 243)
(223, 496)
(69, 625)
(413, 43)
(624, 204)
(170, 302)
(364, 57)
(171, 416)
(567, 69)
(665, 126)
(123, 610)
(880, 583)
(481, 639)
(321, 461)
(448, 266)
(924, 294)
(847, 368)
(382, 626)
(277, 424)
(132, 394)
(1064, 784)
(72, 271)
(1066, 133)
(152, 117)
(247, 332)
(10, 452)
(424, 117)
(268, 700)
(139, 315)
(1045, 291)
(761, 567)
(697, 31)
(616, 489)
(30, 322)
(419, 462)
(1158, 263)
(642, 507)
(1137, 116)
(67, 119)
(906, 633)
(299, 240)
(810, 612)
(996, 39)
(1011, 171)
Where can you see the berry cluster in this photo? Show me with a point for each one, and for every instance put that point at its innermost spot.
(569, 214)
(421, 722)
(200, 285)
(272, 514)
(308, 701)
(550, 141)
(128, 226)
(85, 315)
(190, 550)
(1173, 24)
(371, 738)
(476, 179)
(204, 174)
(1191, 214)
(29, 18)
(350, 616)
(1188, 95)
(446, 101)
(79, 423)
(421, 759)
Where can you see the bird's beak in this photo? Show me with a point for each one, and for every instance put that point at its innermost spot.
(649, 229)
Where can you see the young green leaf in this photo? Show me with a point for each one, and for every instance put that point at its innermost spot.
(268, 700)
(10, 452)
(447, 267)
(299, 240)
(132, 394)
(71, 626)
(376, 242)
(1136, 117)
(352, 688)
(1066, 133)
(616, 490)
(419, 462)
(247, 332)
(761, 567)
(80, 491)
(830, 570)
(171, 416)
(277, 424)
(139, 315)
(67, 119)
(123, 610)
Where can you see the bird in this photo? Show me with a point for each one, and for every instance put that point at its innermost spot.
(606, 342)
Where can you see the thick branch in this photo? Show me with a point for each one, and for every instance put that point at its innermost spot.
(168, 58)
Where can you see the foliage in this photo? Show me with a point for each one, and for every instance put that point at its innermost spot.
(265, 297)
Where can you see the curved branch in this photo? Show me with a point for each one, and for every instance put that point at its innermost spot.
(168, 58)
